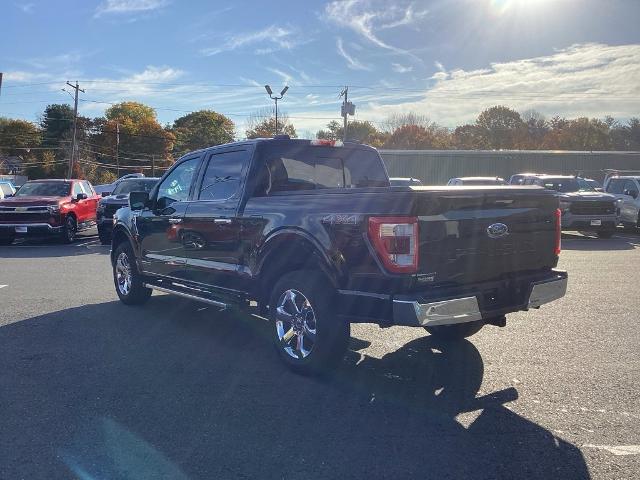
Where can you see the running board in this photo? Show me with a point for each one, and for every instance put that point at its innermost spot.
(190, 296)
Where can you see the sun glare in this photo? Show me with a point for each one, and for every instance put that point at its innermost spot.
(502, 6)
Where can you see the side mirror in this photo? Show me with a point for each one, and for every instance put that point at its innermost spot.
(105, 194)
(81, 196)
(631, 193)
(138, 200)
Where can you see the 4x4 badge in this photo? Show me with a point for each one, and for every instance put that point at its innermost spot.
(497, 230)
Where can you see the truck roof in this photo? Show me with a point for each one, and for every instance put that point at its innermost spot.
(288, 140)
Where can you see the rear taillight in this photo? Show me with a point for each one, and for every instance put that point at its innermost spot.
(395, 240)
(558, 216)
(321, 142)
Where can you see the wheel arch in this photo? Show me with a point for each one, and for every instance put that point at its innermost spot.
(288, 250)
(118, 236)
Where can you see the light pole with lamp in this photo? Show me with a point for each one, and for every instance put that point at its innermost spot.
(276, 98)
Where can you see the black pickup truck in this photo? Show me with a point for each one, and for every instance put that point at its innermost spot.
(314, 233)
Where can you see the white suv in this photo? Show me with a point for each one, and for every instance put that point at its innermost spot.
(626, 189)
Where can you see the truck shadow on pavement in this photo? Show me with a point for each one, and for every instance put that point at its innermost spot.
(175, 390)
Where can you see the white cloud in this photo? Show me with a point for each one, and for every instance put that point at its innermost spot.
(20, 76)
(364, 19)
(352, 63)
(27, 8)
(581, 80)
(270, 39)
(401, 68)
(128, 6)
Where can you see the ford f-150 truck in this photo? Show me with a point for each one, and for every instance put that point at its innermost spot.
(314, 233)
(48, 208)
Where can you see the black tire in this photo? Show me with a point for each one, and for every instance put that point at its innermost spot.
(455, 332)
(135, 293)
(69, 230)
(105, 237)
(7, 240)
(325, 337)
(605, 233)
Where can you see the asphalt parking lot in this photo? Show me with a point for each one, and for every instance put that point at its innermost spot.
(90, 388)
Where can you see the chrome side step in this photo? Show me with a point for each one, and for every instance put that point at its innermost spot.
(190, 296)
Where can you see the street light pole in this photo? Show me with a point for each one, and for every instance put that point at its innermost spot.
(276, 98)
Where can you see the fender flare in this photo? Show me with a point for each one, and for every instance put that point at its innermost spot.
(271, 243)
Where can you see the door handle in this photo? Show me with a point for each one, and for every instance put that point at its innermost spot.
(224, 221)
(175, 220)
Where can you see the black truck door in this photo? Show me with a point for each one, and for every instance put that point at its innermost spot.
(159, 228)
(212, 228)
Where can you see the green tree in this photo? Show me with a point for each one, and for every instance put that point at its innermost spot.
(130, 135)
(466, 137)
(201, 129)
(262, 124)
(416, 137)
(500, 127)
(56, 124)
(358, 131)
(134, 112)
(16, 136)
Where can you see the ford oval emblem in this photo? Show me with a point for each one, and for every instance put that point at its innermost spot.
(497, 230)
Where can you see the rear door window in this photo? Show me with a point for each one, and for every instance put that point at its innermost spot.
(223, 175)
(304, 167)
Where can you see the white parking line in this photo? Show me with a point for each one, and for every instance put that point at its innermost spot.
(2, 286)
(617, 449)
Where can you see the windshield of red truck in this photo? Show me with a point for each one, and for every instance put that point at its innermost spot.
(45, 189)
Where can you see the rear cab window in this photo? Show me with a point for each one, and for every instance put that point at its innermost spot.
(304, 167)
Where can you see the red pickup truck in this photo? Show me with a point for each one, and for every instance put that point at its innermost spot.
(48, 208)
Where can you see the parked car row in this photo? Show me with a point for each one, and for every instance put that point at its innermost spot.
(62, 208)
(585, 205)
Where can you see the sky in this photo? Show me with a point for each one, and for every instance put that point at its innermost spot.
(446, 59)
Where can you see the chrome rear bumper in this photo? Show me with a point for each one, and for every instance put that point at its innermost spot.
(467, 308)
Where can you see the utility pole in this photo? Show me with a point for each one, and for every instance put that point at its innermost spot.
(118, 149)
(347, 108)
(77, 89)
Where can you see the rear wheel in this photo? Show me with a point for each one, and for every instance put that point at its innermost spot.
(455, 332)
(307, 335)
(69, 230)
(127, 279)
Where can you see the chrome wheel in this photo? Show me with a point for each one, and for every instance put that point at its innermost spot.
(295, 324)
(123, 274)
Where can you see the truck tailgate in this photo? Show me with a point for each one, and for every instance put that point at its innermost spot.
(473, 234)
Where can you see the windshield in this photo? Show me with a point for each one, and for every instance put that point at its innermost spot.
(567, 185)
(45, 189)
(128, 186)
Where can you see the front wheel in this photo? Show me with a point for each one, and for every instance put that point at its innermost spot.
(105, 237)
(307, 335)
(127, 279)
(69, 230)
(455, 332)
